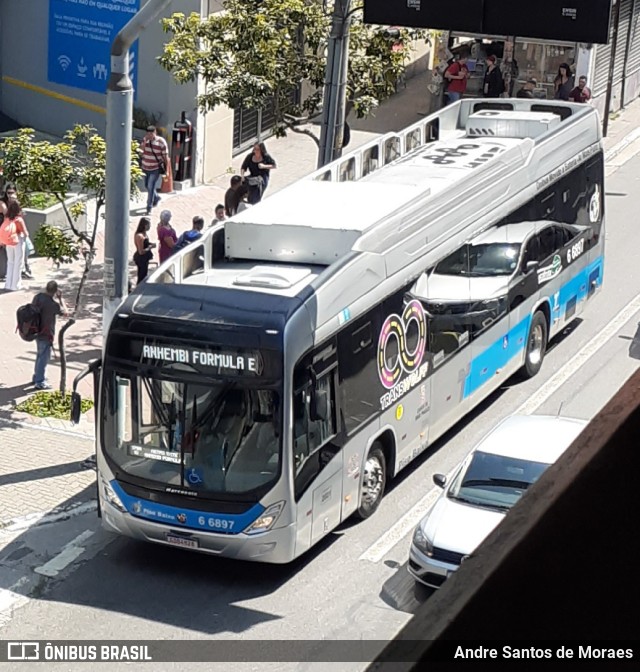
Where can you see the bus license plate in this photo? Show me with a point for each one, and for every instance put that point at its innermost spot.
(182, 541)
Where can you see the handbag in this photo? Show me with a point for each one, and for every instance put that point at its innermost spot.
(254, 181)
(29, 246)
(161, 164)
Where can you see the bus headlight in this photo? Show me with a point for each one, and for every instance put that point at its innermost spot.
(112, 498)
(266, 520)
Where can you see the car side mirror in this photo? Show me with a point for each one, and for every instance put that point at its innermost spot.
(440, 480)
(76, 408)
(531, 266)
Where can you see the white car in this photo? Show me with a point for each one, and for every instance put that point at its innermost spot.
(483, 488)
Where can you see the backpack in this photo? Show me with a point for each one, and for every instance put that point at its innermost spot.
(186, 238)
(28, 322)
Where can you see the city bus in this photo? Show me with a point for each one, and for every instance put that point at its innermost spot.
(266, 382)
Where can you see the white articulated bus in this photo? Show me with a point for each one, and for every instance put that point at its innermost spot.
(266, 382)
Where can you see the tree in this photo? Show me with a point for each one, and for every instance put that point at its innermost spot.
(256, 54)
(78, 163)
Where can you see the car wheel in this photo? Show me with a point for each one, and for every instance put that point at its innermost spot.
(374, 480)
(536, 345)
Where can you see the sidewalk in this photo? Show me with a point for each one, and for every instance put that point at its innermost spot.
(40, 458)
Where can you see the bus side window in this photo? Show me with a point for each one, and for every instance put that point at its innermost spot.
(447, 335)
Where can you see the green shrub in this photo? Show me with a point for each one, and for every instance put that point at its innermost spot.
(38, 200)
(52, 243)
(51, 405)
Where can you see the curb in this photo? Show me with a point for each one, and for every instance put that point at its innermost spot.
(23, 523)
(622, 145)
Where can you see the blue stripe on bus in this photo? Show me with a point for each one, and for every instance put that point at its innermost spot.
(503, 350)
(220, 523)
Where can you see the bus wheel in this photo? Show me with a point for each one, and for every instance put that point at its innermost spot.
(374, 481)
(536, 345)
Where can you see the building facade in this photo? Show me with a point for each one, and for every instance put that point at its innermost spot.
(61, 78)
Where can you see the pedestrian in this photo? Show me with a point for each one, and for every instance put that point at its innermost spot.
(493, 82)
(143, 254)
(234, 196)
(49, 310)
(219, 215)
(527, 88)
(154, 160)
(167, 237)
(11, 194)
(457, 75)
(13, 234)
(580, 94)
(194, 233)
(258, 164)
(563, 83)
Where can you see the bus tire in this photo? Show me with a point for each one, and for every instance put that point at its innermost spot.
(536, 345)
(374, 481)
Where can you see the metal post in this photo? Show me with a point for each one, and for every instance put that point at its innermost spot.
(118, 169)
(335, 86)
(612, 66)
(627, 51)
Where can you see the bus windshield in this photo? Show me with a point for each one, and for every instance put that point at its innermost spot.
(214, 438)
(489, 259)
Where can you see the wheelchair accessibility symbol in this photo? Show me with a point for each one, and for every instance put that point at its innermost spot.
(194, 477)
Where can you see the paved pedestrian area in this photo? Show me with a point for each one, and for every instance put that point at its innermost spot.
(41, 460)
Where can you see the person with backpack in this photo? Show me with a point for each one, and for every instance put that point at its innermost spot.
(44, 326)
(194, 233)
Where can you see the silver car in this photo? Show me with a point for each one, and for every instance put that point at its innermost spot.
(483, 488)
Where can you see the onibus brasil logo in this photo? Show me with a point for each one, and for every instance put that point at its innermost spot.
(400, 363)
(550, 272)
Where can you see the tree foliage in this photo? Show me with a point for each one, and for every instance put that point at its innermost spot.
(257, 53)
(77, 164)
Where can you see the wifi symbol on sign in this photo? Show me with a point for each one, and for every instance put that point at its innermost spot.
(64, 61)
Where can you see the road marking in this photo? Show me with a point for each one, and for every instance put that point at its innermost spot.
(579, 359)
(405, 525)
(23, 523)
(72, 551)
(11, 600)
(395, 534)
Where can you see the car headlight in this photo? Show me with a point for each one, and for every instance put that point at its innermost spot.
(421, 542)
(266, 520)
(112, 498)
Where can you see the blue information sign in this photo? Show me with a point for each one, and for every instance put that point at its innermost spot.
(80, 36)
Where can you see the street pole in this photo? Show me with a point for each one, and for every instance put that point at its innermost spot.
(335, 85)
(118, 169)
(612, 67)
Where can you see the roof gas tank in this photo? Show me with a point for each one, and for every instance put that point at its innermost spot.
(510, 123)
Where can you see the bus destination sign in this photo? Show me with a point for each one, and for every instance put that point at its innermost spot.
(223, 361)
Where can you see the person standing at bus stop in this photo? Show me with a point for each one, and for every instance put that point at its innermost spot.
(167, 236)
(457, 75)
(259, 164)
(154, 161)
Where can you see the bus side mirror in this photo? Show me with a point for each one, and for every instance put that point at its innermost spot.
(319, 409)
(76, 408)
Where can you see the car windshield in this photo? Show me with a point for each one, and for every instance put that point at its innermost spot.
(495, 481)
(489, 259)
(215, 438)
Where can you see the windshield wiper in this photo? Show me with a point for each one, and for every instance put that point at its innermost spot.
(465, 500)
(497, 481)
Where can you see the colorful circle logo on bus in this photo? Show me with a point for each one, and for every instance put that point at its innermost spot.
(394, 333)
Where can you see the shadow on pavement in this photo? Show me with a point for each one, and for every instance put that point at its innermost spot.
(147, 581)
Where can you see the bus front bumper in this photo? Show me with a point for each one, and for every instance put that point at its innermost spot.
(274, 546)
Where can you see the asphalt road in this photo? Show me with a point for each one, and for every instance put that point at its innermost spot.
(354, 585)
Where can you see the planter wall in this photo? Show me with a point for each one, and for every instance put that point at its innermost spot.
(53, 216)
